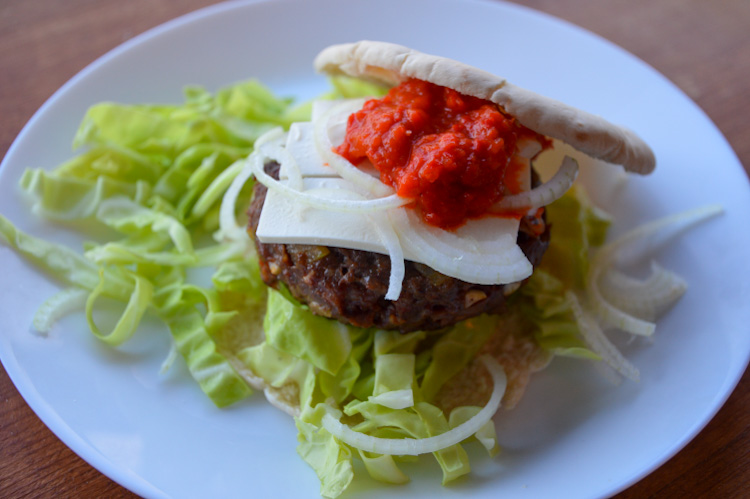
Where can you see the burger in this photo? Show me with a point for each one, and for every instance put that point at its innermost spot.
(412, 220)
(437, 138)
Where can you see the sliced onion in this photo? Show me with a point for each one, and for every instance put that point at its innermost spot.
(392, 244)
(632, 247)
(643, 298)
(341, 205)
(458, 258)
(641, 242)
(280, 154)
(544, 194)
(276, 134)
(614, 316)
(597, 341)
(416, 446)
(229, 229)
(339, 164)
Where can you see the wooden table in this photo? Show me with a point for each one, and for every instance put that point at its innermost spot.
(704, 47)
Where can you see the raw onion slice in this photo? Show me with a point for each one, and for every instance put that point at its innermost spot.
(597, 341)
(630, 248)
(390, 240)
(279, 153)
(459, 258)
(341, 205)
(274, 135)
(229, 229)
(544, 194)
(416, 446)
(340, 165)
(644, 298)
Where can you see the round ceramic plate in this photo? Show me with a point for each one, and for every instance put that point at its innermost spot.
(573, 434)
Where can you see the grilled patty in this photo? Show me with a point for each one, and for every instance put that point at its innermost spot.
(350, 285)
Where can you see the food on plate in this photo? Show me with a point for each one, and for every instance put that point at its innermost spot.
(452, 140)
(387, 318)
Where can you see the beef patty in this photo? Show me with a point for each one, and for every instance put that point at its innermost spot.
(350, 285)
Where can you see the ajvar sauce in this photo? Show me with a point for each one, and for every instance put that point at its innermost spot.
(451, 153)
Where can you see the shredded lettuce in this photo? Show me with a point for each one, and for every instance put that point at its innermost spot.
(216, 377)
(331, 460)
(579, 227)
(326, 345)
(453, 351)
(154, 175)
(394, 375)
(65, 264)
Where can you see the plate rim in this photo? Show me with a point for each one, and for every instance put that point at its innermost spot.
(139, 485)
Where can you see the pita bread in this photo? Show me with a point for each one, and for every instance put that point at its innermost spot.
(246, 330)
(514, 348)
(390, 64)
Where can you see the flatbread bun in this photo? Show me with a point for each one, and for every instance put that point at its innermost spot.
(391, 64)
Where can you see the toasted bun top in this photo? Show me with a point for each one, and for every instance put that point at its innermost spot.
(391, 64)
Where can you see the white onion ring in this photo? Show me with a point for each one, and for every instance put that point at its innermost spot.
(228, 227)
(506, 266)
(643, 298)
(544, 194)
(283, 157)
(416, 446)
(341, 205)
(630, 247)
(597, 341)
(392, 244)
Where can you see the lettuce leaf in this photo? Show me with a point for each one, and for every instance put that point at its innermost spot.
(322, 342)
(65, 264)
(331, 460)
(578, 228)
(208, 367)
(394, 377)
(454, 350)
(155, 175)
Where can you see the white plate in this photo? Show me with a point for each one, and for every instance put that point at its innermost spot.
(572, 435)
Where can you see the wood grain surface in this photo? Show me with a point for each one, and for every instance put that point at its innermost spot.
(702, 46)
